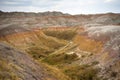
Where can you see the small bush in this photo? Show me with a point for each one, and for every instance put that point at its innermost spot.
(95, 63)
(113, 74)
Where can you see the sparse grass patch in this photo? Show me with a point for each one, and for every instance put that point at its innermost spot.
(60, 59)
(95, 63)
(39, 52)
(81, 72)
(44, 46)
(55, 72)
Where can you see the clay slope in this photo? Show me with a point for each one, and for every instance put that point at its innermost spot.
(16, 65)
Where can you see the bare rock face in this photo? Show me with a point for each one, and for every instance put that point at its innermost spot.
(16, 65)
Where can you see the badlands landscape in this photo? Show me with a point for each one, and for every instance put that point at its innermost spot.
(59, 46)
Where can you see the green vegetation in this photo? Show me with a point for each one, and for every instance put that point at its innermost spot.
(60, 59)
(81, 72)
(53, 50)
(75, 72)
(52, 42)
(38, 51)
(62, 51)
(45, 46)
(63, 34)
(55, 72)
(95, 63)
(64, 62)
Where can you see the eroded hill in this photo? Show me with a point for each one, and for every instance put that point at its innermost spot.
(17, 65)
(57, 19)
(73, 47)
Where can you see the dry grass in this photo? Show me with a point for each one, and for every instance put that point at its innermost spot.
(55, 72)
(61, 34)
(81, 72)
(60, 59)
(6, 72)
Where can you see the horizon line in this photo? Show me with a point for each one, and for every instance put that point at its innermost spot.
(60, 12)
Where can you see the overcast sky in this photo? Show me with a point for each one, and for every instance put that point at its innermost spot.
(66, 6)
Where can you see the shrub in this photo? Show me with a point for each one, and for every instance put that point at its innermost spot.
(113, 74)
(95, 63)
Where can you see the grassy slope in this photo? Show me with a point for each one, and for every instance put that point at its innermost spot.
(51, 49)
(45, 45)
(65, 62)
